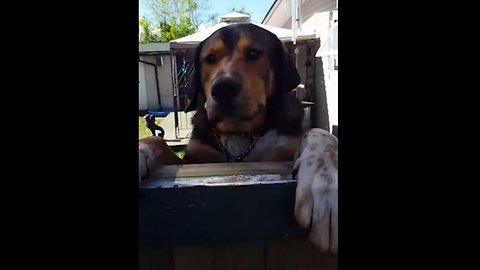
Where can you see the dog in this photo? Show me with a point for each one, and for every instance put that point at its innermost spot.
(155, 129)
(240, 90)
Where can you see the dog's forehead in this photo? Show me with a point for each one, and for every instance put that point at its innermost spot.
(228, 37)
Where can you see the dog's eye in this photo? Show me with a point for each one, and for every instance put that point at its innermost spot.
(252, 54)
(210, 58)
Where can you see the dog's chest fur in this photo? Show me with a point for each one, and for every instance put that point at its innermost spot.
(237, 144)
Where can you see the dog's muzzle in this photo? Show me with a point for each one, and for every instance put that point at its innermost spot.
(225, 90)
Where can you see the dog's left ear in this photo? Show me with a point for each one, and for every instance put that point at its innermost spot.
(291, 73)
(195, 83)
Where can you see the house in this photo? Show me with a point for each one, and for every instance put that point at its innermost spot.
(319, 17)
(155, 77)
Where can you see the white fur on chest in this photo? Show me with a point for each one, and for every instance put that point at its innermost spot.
(237, 144)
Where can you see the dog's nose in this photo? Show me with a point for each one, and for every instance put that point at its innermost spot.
(225, 89)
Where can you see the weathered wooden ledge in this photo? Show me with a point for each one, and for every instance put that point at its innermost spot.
(218, 203)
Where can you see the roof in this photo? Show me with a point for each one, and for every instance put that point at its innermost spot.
(280, 12)
(191, 41)
(330, 45)
(153, 48)
(235, 17)
(270, 10)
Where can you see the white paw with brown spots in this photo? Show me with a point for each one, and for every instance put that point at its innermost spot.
(316, 201)
(147, 154)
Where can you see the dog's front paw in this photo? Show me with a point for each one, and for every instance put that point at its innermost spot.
(142, 164)
(316, 201)
(149, 153)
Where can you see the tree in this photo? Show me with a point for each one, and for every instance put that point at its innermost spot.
(173, 19)
(147, 34)
(177, 18)
(145, 30)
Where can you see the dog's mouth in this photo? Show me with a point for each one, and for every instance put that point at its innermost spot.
(236, 113)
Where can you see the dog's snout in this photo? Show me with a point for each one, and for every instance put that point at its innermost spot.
(225, 89)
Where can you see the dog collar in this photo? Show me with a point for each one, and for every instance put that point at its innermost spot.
(239, 158)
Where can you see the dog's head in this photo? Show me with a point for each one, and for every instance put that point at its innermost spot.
(239, 70)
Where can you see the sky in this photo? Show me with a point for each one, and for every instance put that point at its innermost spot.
(257, 8)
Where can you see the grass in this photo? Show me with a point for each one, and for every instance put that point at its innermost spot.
(180, 153)
(143, 132)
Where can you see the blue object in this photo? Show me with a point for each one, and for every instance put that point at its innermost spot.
(159, 113)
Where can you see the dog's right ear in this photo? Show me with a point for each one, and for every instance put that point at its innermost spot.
(195, 91)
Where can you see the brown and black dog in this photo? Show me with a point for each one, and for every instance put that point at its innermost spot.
(244, 112)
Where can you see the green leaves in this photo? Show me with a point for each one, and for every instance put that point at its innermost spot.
(147, 33)
(172, 18)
